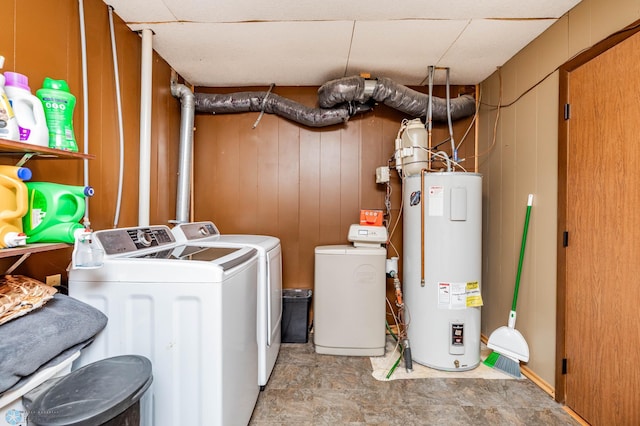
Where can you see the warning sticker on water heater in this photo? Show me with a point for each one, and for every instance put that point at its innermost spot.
(436, 200)
(474, 298)
(459, 295)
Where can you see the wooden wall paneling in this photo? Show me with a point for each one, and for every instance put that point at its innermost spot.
(206, 185)
(289, 195)
(165, 136)
(7, 41)
(372, 156)
(226, 168)
(330, 212)
(350, 170)
(310, 210)
(43, 40)
(268, 179)
(249, 175)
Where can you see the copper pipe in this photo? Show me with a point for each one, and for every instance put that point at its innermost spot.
(422, 201)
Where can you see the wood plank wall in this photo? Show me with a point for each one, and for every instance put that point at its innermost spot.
(302, 185)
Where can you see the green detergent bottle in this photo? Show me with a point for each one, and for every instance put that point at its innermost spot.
(54, 212)
(58, 104)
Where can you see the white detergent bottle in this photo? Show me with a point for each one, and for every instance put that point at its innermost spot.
(8, 123)
(29, 112)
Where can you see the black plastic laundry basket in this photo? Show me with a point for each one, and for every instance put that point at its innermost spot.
(106, 392)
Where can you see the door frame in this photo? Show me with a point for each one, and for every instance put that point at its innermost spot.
(563, 139)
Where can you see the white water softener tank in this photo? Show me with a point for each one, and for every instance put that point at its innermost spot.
(349, 294)
(442, 252)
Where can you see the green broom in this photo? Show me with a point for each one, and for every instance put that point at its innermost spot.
(509, 347)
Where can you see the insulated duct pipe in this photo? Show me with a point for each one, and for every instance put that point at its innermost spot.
(187, 113)
(339, 100)
(274, 104)
(146, 75)
(394, 95)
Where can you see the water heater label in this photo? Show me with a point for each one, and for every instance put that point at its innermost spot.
(474, 298)
(436, 200)
(452, 295)
(444, 294)
(459, 295)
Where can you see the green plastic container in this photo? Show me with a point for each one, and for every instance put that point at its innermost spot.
(54, 212)
(58, 105)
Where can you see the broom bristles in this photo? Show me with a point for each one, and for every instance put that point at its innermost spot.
(504, 363)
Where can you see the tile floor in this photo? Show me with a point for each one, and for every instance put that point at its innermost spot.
(306, 388)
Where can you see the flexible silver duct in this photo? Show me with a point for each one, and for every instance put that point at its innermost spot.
(395, 96)
(339, 100)
(274, 104)
(187, 113)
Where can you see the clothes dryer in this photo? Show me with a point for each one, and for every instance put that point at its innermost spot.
(269, 290)
(191, 310)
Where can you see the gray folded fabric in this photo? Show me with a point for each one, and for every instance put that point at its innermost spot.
(45, 337)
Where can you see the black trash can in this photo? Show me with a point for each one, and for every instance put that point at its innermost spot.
(106, 392)
(295, 315)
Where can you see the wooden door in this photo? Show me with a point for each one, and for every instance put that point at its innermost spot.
(602, 311)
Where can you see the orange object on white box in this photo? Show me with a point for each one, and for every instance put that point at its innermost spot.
(371, 217)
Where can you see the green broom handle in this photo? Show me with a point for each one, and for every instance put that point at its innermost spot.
(522, 246)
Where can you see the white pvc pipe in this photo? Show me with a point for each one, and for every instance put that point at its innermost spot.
(146, 74)
(114, 53)
(85, 105)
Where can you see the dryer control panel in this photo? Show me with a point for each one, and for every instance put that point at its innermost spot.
(127, 240)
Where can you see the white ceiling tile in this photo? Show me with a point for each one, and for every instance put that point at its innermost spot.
(258, 53)
(299, 42)
(401, 50)
(296, 10)
(486, 45)
(141, 10)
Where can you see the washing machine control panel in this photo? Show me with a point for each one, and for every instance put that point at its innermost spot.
(195, 231)
(127, 240)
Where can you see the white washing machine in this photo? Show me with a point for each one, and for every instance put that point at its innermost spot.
(269, 310)
(190, 310)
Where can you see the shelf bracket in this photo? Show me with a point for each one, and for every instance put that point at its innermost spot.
(26, 157)
(17, 263)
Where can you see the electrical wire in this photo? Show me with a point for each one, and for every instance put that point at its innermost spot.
(85, 105)
(114, 53)
(398, 346)
(495, 124)
(473, 120)
(539, 82)
(500, 105)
